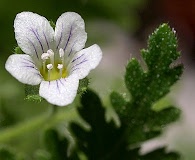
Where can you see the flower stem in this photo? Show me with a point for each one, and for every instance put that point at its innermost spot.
(36, 123)
(54, 109)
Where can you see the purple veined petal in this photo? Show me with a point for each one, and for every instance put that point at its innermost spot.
(71, 50)
(77, 58)
(33, 33)
(74, 69)
(70, 33)
(60, 92)
(36, 34)
(35, 49)
(80, 63)
(84, 61)
(47, 42)
(23, 69)
(59, 40)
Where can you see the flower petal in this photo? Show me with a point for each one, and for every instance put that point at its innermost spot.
(60, 92)
(23, 69)
(33, 33)
(84, 61)
(70, 33)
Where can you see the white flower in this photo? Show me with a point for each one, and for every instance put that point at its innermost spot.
(54, 59)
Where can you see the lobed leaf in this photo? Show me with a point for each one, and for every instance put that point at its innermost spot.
(56, 147)
(148, 86)
(104, 140)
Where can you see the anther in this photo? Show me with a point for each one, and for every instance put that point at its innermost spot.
(45, 56)
(50, 52)
(49, 66)
(60, 66)
(51, 55)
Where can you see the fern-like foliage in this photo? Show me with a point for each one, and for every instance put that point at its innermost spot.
(139, 122)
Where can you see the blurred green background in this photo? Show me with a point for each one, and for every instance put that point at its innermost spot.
(120, 27)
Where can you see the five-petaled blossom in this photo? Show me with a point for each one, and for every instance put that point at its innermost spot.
(55, 59)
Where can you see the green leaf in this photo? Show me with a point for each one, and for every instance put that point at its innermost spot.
(104, 140)
(162, 49)
(32, 93)
(118, 102)
(161, 154)
(165, 117)
(148, 86)
(57, 146)
(134, 78)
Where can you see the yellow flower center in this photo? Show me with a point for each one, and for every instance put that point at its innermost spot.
(51, 69)
(54, 73)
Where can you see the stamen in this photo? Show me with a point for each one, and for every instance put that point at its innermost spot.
(51, 55)
(49, 67)
(45, 56)
(60, 67)
(61, 53)
(44, 66)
